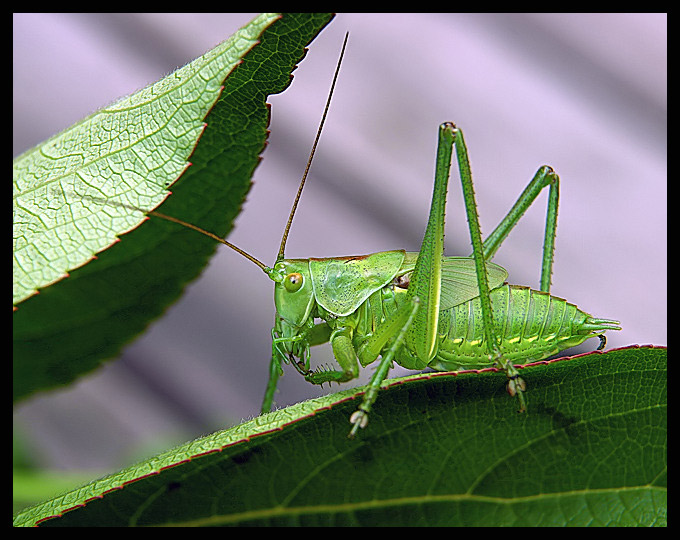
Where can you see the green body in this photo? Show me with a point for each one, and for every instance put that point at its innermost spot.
(420, 309)
(424, 309)
(351, 297)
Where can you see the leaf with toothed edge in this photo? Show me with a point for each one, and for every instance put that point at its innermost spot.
(142, 146)
(439, 449)
(128, 152)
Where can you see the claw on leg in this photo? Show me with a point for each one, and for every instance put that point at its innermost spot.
(516, 387)
(359, 420)
(603, 342)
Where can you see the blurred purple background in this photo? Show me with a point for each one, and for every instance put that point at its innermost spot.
(585, 93)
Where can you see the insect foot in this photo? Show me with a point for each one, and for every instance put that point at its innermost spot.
(603, 342)
(359, 420)
(516, 386)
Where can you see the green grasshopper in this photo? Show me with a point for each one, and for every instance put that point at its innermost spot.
(420, 309)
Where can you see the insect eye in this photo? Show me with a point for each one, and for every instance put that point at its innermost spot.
(293, 282)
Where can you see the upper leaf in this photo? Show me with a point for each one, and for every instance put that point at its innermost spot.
(129, 152)
(72, 325)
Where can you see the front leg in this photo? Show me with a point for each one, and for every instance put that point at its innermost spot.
(345, 355)
(280, 356)
(275, 371)
(293, 349)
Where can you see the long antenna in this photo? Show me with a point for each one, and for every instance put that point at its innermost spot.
(179, 222)
(311, 155)
(266, 269)
(211, 235)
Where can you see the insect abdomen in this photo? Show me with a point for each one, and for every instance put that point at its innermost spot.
(531, 325)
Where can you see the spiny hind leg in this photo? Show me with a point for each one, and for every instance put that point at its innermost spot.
(544, 177)
(481, 252)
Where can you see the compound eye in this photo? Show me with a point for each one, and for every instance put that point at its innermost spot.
(293, 282)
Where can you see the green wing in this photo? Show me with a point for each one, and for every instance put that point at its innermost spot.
(459, 278)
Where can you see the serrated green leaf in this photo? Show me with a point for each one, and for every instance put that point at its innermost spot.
(440, 449)
(71, 326)
(128, 152)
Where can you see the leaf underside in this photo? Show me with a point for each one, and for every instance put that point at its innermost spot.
(70, 327)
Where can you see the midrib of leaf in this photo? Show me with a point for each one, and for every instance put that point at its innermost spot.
(141, 146)
(398, 502)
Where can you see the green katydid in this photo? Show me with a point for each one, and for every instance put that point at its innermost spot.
(420, 309)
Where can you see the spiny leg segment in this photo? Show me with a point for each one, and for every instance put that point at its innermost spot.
(416, 322)
(483, 251)
(421, 323)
